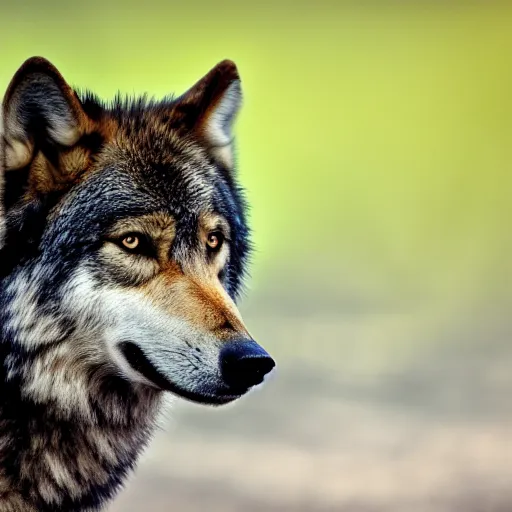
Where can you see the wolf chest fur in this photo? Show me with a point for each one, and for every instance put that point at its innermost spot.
(124, 248)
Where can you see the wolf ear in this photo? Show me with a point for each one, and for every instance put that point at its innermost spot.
(210, 107)
(40, 111)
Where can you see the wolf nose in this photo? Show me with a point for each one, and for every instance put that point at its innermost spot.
(244, 364)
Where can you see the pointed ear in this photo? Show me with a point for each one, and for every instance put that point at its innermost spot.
(210, 107)
(39, 110)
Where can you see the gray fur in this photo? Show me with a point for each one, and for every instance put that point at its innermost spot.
(91, 334)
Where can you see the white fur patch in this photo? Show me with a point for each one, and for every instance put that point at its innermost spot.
(63, 130)
(115, 315)
(17, 154)
(18, 147)
(24, 316)
(218, 126)
(65, 384)
(61, 476)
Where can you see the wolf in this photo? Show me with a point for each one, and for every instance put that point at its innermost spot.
(125, 246)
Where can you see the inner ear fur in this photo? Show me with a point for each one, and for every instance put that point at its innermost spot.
(209, 109)
(39, 108)
(42, 118)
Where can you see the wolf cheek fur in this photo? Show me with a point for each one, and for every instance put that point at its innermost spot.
(124, 251)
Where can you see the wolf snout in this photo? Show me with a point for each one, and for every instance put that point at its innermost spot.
(244, 364)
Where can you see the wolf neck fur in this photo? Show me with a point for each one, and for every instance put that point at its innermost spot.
(69, 432)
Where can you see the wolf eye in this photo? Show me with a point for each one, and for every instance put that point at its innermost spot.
(215, 240)
(131, 242)
(136, 243)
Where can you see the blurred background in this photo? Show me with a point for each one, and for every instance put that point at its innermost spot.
(375, 146)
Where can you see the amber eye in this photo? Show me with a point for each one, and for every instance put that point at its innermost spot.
(136, 243)
(131, 242)
(215, 240)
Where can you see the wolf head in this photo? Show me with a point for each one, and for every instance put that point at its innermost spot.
(125, 240)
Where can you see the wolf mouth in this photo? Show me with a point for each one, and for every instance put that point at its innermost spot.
(140, 363)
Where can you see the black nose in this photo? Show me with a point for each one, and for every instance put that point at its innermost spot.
(244, 364)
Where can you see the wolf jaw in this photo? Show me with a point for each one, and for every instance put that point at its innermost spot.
(125, 244)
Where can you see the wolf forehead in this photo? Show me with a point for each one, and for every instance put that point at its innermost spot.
(139, 148)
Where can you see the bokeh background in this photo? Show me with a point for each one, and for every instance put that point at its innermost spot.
(375, 146)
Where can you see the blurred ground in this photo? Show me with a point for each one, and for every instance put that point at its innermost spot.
(431, 432)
